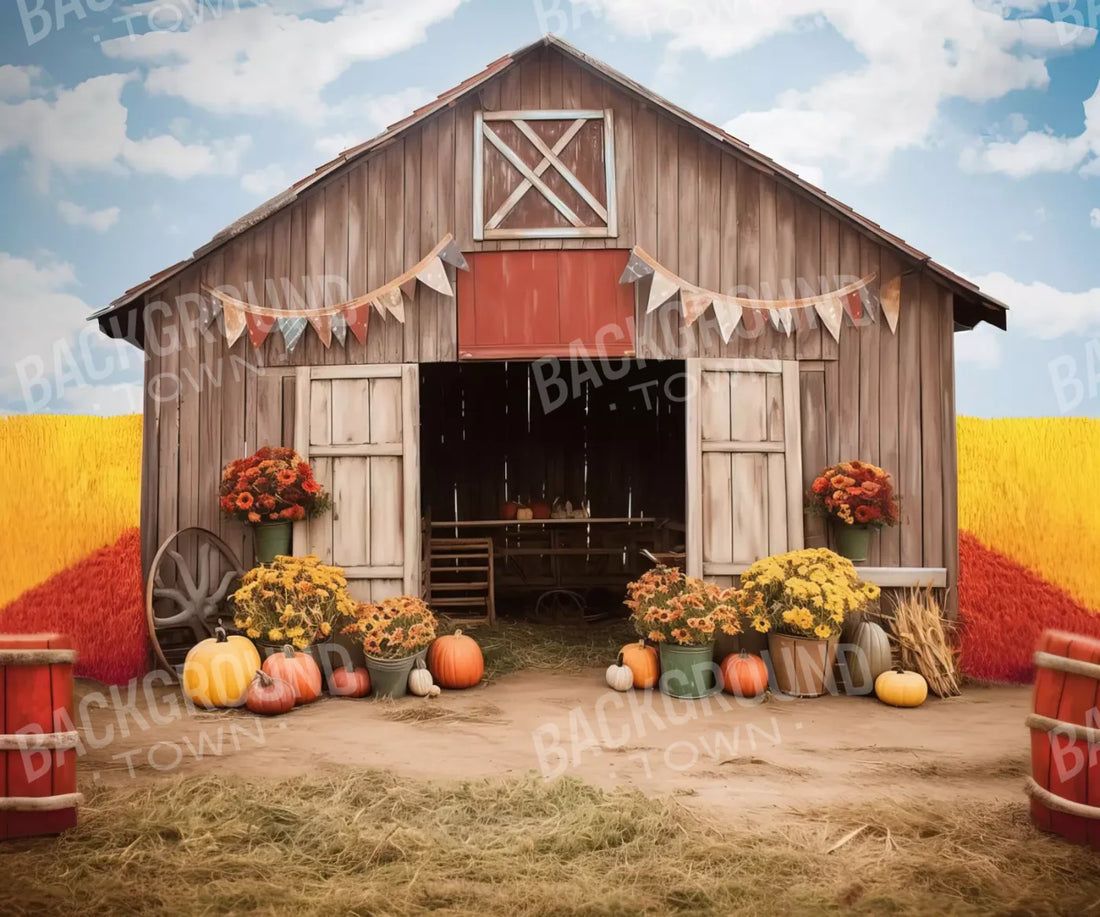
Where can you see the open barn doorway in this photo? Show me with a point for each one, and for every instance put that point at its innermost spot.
(592, 451)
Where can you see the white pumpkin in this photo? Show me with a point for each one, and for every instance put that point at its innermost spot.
(420, 680)
(619, 676)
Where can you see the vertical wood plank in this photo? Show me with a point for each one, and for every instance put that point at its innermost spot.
(189, 397)
(948, 441)
(693, 504)
(211, 354)
(666, 323)
(336, 250)
(814, 449)
(463, 175)
(830, 279)
(359, 238)
(931, 382)
(808, 248)
(890, 536)
(315, 271)
(411, 222)
(910, 465)
(776, 257)
(393, 241)
(870, 381)
(623, 126)
(410, 477)
(378, 332)
(848, 393)
(748, 258)
(445, 324)
(792, 439)
(232, 400)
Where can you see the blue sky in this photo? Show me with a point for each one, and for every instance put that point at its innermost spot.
(131, 132)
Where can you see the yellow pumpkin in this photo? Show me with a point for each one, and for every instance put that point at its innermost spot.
(218, 671)
(901, 688)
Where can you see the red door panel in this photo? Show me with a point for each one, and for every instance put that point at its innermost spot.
(530, 304)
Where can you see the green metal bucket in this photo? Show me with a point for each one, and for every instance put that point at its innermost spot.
(390, 677)
(272, 538)
(687, 671)
(853, 541)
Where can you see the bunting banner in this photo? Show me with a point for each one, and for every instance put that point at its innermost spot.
(860, 300)
(334, 321)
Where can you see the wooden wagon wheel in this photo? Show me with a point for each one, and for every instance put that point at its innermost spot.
(193, 601)
(559, 606)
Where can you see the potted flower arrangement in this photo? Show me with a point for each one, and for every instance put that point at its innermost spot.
(682, 615)
(856, 496)
(800, 600)
(295, 601)
(271, 490)
(396, 633)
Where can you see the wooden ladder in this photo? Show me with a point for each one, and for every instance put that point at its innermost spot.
(460, 576)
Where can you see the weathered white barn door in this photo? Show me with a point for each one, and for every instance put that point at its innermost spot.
(359, 427)
(744, 481)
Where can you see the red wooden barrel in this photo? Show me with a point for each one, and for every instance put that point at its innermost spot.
(37, 745)
(1065, 738)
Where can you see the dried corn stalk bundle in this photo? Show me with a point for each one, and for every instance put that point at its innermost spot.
(923, 645)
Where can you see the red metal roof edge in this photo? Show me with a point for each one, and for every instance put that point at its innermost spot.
(450, 96)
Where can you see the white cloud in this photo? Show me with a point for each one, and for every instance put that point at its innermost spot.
(49, 352)
(1024, 236)
(1094, 218)
(334, 144)
(1039, 310)
(980, 347)
(18, 82)
(86, 128)
(265, 59)
(99, 220)
(266, 181)
(1043, 151)
(916, 57)
(374, 113)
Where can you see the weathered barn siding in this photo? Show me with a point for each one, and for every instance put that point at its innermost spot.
(709, 215)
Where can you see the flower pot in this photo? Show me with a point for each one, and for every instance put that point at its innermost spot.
(852, 541)
(390, 677)
(687, 671)
(272, 538)
(803, 666)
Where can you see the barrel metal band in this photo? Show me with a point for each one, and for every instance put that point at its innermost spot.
(37, 657)
(35, 741)
(1063, 664)
(40, 803)
(1059, 803)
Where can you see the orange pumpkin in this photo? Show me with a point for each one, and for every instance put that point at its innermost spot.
(299, 670)
(540, 509)
(642, 661)
(509, 510)
(268, 696)
(347, 681)
(744, 675)
(455, 661)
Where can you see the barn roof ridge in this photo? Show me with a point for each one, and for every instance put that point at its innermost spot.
(985, 307)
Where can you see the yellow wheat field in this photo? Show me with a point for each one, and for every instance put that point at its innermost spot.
(72, 485)
(1030, 488)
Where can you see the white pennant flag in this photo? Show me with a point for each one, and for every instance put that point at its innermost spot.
(661, 290)
(434, 275)
(831, 313)
(393, 302)
(729, 317)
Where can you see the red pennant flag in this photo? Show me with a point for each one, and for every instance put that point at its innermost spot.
(357, 318)
(259, 326)
(853, 305)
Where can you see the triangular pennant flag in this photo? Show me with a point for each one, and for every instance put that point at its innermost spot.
(868, 300)
(891, 302)
(636, 268)
(853, 305)
(661, 290)
(786, 315)
(694, 304)
(357, 319)
(453, 256)
(339, 327)
(322, 324)
(729, 316)
(209, 309)
(233, 319)
(408, 290)
(379, 307)
(434, 274)
(291, 329)
(831, 313)
(259, 327)
(393, 302)
(776, 318)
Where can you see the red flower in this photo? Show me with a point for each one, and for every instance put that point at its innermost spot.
(310, 486)
(821, 485)
(286, 477)
(244, 500)
(867, 514)
(304, 470)
(253, 518)
(266, 502)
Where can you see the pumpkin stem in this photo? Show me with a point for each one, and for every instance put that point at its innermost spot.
(220, 634)
(265, 680)
(619, 661)
(288, 651)
(458, 631)
(420, 663)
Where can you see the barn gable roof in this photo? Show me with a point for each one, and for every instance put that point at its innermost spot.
(971, 304)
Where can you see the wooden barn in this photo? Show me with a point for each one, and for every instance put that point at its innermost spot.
(551, 285)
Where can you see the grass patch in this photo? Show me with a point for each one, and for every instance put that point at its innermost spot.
(429, 711)
(365, 842)
(510, 646)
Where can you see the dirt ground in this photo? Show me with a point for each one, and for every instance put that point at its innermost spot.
(753, 760)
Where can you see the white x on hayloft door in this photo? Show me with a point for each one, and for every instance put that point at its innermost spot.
(744, 464)
(359, 428)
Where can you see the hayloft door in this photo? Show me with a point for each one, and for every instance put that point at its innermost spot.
(359, 428)
(744, 465)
